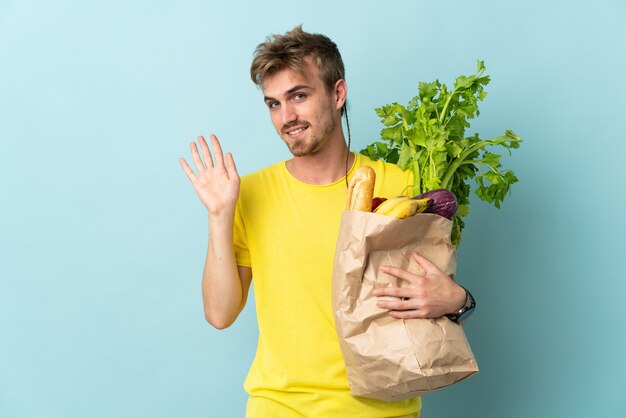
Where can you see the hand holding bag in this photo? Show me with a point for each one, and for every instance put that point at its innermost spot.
(389, 358)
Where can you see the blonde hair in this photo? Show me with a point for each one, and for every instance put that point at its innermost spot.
(279, 52)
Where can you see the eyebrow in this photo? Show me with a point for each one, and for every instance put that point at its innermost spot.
(290, 91)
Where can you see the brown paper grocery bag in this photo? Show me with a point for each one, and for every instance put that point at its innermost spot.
(389, 358)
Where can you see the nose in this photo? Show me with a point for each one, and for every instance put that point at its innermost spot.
(288, 113)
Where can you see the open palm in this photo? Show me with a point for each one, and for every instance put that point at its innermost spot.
(216, 180)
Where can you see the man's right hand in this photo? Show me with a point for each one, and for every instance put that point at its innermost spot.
(217, 181)
(224, 284)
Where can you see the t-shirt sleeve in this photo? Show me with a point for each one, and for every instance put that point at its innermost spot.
(240, 239)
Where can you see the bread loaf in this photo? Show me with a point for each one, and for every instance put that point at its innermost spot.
(361, 189)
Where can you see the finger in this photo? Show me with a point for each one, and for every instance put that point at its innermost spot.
(400, 292)
(424, 262)
(409, 314)
(231, 169)
(217, 151)
(206, 153)
(400, 273)
(196, 158)
(396, 305)
(190, 174)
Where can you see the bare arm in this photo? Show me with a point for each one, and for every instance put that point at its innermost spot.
(224, 284)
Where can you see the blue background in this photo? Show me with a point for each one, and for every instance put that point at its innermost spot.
(102, 239)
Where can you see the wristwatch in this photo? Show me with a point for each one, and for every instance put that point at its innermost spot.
(462, 314)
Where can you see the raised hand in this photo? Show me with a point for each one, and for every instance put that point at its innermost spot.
(217, 181)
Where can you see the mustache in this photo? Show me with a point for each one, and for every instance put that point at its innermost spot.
(291, 125)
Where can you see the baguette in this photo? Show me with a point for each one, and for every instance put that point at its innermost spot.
(361, 190)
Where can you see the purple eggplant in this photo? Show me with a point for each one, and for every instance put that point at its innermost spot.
(444, 202)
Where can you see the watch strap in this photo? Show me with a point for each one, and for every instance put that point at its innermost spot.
(468, 308)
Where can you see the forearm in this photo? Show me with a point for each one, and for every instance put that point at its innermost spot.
(222, 288)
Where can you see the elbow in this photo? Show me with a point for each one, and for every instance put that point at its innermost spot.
(219, 325)
(217, 321)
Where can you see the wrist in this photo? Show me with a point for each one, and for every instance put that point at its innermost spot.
(224, 215)
(466, 310)
(461, 300)
(221, 212)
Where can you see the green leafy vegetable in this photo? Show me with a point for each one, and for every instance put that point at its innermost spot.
(428, 138)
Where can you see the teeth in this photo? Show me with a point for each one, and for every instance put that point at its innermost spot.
(297, 131)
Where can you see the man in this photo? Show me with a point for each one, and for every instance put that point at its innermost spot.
(280, 225)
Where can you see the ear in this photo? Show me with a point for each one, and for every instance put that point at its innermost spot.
(341, 93)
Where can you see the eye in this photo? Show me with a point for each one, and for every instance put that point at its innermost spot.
(298, 97)
(272, 104)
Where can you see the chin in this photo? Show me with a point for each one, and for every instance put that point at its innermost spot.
(303, 149)
(300, 152)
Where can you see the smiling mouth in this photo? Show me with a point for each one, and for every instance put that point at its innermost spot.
(296, 131)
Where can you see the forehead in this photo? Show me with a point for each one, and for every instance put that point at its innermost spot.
(278, 83)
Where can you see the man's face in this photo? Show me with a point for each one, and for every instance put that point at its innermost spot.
(303, 112)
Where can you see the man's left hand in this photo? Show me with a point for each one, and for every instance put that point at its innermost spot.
(430, 295)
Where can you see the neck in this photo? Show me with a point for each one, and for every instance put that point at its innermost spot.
(325, 166)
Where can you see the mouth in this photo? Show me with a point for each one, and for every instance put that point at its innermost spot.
(295, 132)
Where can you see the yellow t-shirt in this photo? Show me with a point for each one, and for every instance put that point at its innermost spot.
(286, 231)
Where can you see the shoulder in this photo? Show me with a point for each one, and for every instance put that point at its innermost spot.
(257, 185)
(381, 167)
(263, 175)
(391, 180)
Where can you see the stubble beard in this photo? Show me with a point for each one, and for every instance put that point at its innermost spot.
(303, 148)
